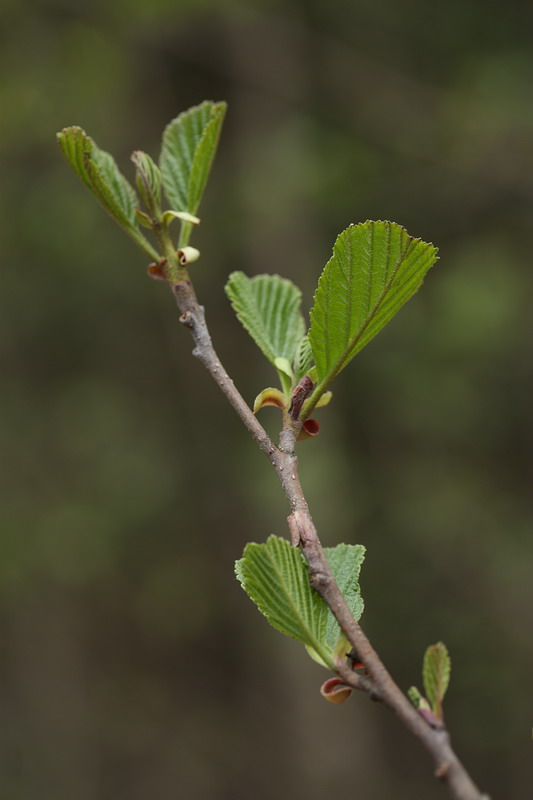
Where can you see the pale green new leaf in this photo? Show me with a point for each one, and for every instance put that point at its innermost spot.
(436, 671)
(98, 170)
(148, 180)
(275, 577)
(269, 309)
(416, 699)
(189, 146)
(345, 561)
(303, 359)
(375, 268)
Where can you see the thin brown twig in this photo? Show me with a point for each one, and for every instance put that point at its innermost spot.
(379, 683)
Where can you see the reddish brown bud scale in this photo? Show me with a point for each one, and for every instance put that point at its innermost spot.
(299, 395)
(310, 428)
(156, 272)
(335, 691)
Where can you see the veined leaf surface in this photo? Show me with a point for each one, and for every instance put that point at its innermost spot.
(436, 672)
(148, 180)
(375, 268)
(189, 146)
(303, 359)
(98, 170)
(276, 578)
(269, 309)
(345, 561)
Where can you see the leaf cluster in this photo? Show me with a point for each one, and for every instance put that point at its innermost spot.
(375, 268)
(187, 152)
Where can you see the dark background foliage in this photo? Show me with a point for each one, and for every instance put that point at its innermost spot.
(132, 665)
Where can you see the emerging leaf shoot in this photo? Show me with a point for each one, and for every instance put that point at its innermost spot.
(148, 180)
(98, 170)
(436, 675)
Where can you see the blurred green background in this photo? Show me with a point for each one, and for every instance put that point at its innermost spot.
(132, 665)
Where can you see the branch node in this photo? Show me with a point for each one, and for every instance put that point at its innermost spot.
(374, 694)
(319, 579)
(187, 319)
(442, 770)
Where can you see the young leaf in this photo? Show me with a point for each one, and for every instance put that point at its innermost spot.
(275, 577)
(436, 675)
(303, 359)
(416, 698)
(283, 365)
(375, 268)
(345, 561)
(269, 309)
(189, 145)
(148, 179)
(98, 170)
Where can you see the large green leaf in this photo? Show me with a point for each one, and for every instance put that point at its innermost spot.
(98, 170)
(189, 146)
(269, 308)
(436, 671)
(375, 268)
(276, 578)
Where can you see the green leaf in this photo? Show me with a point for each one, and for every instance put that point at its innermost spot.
(345, 561)
(98, 170)
(184, 216)
(303, 359)
(148, 179)
(189, 146)
(284, 365)
(275, 577)
(436, 675)
(415, 697)
(269, 309)
(375, 268)
(417, 700)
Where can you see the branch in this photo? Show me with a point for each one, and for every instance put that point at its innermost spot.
(193, 317)
(379, 683)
